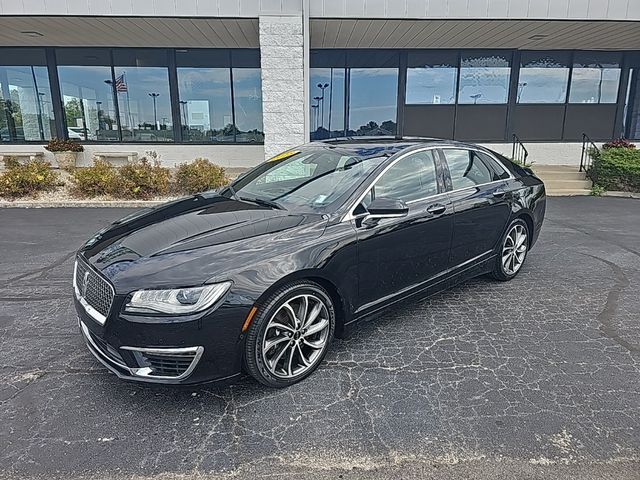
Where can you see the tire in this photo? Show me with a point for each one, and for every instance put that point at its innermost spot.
(277, 331)
(509, 262)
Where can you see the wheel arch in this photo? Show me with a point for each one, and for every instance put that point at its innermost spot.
(528, 219)
(316, 276)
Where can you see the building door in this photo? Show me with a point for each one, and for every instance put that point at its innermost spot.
(632, 105)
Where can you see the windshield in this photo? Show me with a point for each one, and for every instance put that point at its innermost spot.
(304, 179)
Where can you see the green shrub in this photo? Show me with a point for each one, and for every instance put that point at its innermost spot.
(142, 180)
(97, 180)
(61, 145)
(11, 162)
(28, 179)
(617, 169)
(199, 176)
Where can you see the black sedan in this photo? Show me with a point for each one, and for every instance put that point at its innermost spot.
(261, 275)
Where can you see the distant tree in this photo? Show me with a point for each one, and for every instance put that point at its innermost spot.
(230, 130)
(368, 128)
(388, 126)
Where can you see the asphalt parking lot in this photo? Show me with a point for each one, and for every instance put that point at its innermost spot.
(536, 378)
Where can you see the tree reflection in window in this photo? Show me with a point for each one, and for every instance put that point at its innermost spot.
(484, 78)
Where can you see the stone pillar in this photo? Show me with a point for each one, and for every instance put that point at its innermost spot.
(282, 63)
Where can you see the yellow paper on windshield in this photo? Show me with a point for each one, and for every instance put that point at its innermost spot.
(283, 155)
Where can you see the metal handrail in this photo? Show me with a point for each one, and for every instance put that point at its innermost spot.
(588, 150)
(519, 152)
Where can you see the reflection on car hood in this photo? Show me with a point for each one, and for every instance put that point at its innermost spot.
(188, 225)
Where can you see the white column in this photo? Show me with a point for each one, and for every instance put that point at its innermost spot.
(283, 97)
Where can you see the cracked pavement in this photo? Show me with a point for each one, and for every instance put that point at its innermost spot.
(535, 378)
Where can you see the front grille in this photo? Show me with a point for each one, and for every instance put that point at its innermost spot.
(93, 289)
(168, 364)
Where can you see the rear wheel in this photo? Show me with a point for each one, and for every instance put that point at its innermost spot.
(290, 334)
(513, 251)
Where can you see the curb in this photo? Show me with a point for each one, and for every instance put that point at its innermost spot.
(80, 204)
(621, 194)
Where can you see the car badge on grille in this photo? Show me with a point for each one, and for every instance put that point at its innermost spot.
(85, 282)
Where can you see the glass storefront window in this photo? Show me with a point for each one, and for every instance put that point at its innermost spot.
(132, 95)
(595, 77)
(141, 85)
(373, 94)
(144, 103)
(27, 110)
(594, 85)
(544, 78)
(484, 79)
(205, 104)
(327, 102)
(431, 79)
(89, 107)
(247, 102)
(372, 78)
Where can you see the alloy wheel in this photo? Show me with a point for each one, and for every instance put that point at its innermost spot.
(296, 336)
(514, 249)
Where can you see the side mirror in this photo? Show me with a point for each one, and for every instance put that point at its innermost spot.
(387, 208)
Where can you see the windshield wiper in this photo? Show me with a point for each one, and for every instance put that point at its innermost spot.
(262, 201)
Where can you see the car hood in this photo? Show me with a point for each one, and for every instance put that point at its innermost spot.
(180, 234)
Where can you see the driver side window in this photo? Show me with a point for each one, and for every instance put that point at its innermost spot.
(412, 178)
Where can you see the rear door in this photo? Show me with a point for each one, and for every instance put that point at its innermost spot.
(399, 253)
(477, 187)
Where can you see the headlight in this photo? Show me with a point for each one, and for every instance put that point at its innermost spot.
(179, 301)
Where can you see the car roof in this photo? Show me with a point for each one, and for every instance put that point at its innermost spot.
(385, 146)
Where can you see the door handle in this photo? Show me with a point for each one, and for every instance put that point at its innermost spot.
(499, 193)
(436, 209)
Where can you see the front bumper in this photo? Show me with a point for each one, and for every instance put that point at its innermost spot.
(196, 351)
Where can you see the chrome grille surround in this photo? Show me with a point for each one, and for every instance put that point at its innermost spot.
(165, 363)
(93, 291)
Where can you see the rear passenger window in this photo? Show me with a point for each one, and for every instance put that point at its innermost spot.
(466, 168)
(498, 171)
(412, 178)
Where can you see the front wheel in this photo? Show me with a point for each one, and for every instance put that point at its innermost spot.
(513, 251)
(290, 334)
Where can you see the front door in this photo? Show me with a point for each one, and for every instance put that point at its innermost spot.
(480, 203)
(395, 254)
